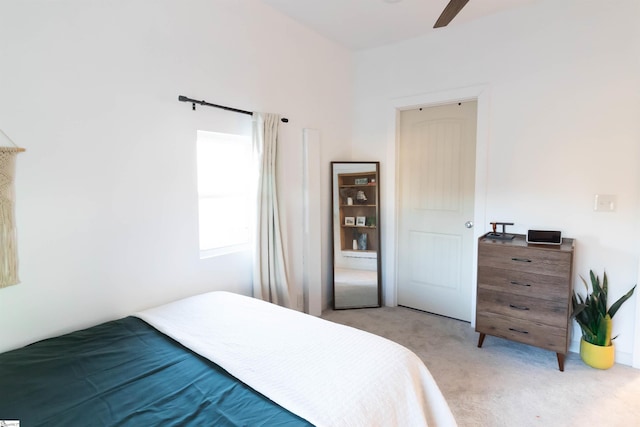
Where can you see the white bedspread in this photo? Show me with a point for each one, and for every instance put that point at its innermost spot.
(328, 374)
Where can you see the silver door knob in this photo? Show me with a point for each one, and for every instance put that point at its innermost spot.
(468, 224)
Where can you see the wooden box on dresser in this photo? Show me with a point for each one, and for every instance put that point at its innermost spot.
(524, 293)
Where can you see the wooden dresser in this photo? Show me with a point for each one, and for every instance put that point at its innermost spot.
(524, 293)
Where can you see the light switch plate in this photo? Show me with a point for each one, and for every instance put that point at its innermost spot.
(605, 203)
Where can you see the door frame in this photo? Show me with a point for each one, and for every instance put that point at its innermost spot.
(636, 340)
(481, 94)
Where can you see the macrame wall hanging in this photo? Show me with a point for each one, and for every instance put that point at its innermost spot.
(8, 236)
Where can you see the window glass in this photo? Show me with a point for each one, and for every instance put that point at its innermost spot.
(225, 196)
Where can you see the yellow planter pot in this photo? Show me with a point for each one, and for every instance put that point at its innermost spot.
(597, 356)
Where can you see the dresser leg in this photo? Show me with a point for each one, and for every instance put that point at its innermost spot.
(560, 361)
(480, 339)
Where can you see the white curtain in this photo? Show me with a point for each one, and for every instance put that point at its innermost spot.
(8, 239)
(269, 268)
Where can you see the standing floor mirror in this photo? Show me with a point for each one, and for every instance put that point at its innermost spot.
(356, 235)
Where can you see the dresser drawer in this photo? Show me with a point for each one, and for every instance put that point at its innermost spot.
(540, 311)
(549, 262)
(526, 332)
(531, 285)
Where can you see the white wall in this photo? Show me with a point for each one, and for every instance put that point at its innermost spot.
(106, 191)
(563, 79)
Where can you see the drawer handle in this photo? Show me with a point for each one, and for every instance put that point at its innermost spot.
(518, 330)
(521, 259)
(513, 282)
(519, 307)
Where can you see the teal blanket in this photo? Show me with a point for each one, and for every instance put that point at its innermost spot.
(126, 373)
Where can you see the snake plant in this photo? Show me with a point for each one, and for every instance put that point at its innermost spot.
(591, 312)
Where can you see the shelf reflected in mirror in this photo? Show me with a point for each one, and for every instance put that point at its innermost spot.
(356, 234)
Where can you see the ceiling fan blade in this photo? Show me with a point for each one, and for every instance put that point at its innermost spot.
(450, 12)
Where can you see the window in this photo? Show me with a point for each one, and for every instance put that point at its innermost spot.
(225, 196)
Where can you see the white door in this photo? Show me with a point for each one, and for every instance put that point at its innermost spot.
(437, 183)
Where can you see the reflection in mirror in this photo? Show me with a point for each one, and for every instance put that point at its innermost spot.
(356, 234)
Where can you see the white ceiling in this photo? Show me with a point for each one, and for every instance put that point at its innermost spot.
(361, 24)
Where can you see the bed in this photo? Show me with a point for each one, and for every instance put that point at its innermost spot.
(219, 359)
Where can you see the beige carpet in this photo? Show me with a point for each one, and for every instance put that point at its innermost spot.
(505, 383)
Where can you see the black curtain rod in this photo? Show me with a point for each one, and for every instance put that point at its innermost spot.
(235, 110)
